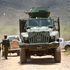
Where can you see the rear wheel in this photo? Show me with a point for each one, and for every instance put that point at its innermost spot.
(23, 55)
(67, 47)
(57, 55)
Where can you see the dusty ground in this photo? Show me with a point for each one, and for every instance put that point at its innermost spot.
(35, 64)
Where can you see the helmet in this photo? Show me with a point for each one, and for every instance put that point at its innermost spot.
(5, 34)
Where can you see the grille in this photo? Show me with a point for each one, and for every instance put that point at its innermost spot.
(38, 37)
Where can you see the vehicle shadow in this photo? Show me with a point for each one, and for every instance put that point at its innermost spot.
(41, 61)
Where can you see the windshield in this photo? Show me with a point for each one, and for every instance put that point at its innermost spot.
(12, 38)
(39, 22)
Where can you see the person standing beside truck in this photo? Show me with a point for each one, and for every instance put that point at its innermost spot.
(5, 46)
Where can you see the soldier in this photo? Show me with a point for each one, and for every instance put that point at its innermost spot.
(5, 46)
(0, 47)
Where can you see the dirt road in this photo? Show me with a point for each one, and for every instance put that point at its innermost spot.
(35, 64)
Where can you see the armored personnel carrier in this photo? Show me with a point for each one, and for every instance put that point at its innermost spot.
(39, 35)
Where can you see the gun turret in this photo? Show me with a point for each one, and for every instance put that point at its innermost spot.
(38, 12)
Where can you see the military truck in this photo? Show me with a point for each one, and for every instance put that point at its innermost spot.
(39, 35)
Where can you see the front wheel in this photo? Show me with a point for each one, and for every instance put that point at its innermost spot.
(23, 55)
(57, 55)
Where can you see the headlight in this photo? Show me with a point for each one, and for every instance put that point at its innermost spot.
(53, 33)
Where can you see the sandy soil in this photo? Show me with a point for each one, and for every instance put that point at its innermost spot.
(36, 63)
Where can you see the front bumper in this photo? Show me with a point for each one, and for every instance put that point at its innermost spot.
(39, 46)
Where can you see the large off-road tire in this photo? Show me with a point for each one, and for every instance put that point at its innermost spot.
(23, 56)
(57, 55)
(67, 47)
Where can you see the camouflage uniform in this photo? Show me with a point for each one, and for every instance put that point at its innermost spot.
(5, 46)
